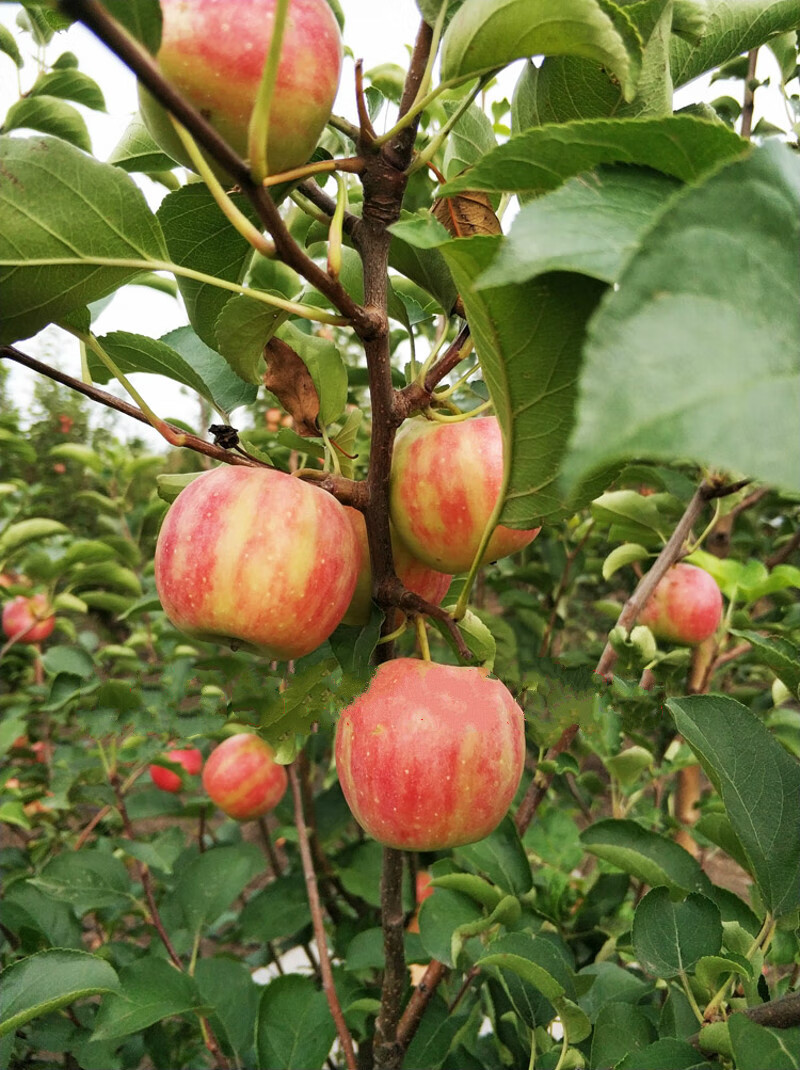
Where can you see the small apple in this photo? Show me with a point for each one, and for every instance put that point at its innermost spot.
(259, 557)
(213, 52)
(429, 756)
(192, 761)
(28, 620)
(445, 482)
(242, 777)
(420, 579)
(685, 607)
(423, 891)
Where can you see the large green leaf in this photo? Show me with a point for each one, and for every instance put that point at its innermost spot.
(529, 339)
(88, 879)
(227, 389)
(697, 353)
(620, 1029)
(63, 213)
(759, 784)
(70, 84)
(486, 34)
(42, 983)
(732, 27)
(210, 883)
(137, 151)
(294, 1028)
(199, 237)
(49, 115)
(541, 159)
(151, 990)
(652, 858)
(592, 224)
(782, 656)
(670, 938)
(756, 1046)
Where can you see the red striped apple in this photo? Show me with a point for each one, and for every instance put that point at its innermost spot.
(28, 620)
(190, 758)
(686, 606)
(426, 582)
(213, 52)
(258, 557)
(446, 479)
(242, 777)
(429, 756)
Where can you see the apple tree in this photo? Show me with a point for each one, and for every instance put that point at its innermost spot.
(491, 503)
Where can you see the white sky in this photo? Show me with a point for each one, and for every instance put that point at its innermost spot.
(378, 31)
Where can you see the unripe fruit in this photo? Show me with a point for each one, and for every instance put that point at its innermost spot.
(430, 756)
(446, 479)
(426, 582)
(255, 555)
(686, 606)
(213, 52)
(32, 619)
(192, 761)
(242, 777)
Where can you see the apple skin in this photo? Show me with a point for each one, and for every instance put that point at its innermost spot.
(192, 761)
(32, 616)
(213, 52)
(430, 756)
(686, 606)
(242, 777)
(426, 582)
(258, 556)
(445, 482)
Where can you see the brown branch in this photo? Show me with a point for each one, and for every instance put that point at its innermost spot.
(785, 551)
(417, 396)
(133, 55)
(387, 1052)
(191, 442)
(319, 926)
(420, 998)
(313, 192)
(366, 133)
(399, 150)
(748, 103)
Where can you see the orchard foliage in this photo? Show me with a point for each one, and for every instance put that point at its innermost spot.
(618, 282)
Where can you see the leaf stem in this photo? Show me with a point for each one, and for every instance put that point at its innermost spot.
(258, 131)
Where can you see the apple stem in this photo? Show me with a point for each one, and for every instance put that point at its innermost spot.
(422, 639)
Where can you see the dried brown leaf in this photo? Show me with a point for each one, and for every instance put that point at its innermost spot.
(467, 214)
(290, 381)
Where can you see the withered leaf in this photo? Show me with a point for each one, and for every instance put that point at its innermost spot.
(464, 216)
(290, 381)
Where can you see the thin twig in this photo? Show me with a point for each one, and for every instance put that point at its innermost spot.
(785, 551)
(748, 104)
(319, 926)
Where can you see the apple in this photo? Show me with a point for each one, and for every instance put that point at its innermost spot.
(28, 620)
(426, 582)
(685, 607)
(242, 777)
(430, 756)
(213, 52)
(192, 761)
(258, 557)
(445, 482)
(423, 891)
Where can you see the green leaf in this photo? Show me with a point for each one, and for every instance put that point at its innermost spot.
(485, 34)
(199, 236)
(137, 151)
(326, 367)
(540, 159)
(87, 879)
(229, 988)
(70, 84)
(26, 531)
(243, 328)
(277, 911)
(531, 333)
(706, 329)
(718, 829)
(80, 454)
(779, 654)
(423, 265)
(711, 968)
(592, 224)
(622, 556)
(670, 938)
(665, 1054)
(151, 990)
(534, 959)
(759, 784)
(228, 391)
(86, 551)
(440, 916)
(9, 46)
(72, 660)
(138, 353)
(294, 1028)
(470, 139)
(211, 882)
(619, 1030)
(49, 115)
(42, 983)
(650, 857)
(141, 18)
(48, 220)
(434, 1037)
(612, 984)
(501, 858)
(730, 29)
(107, 574)
(756, 1047)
